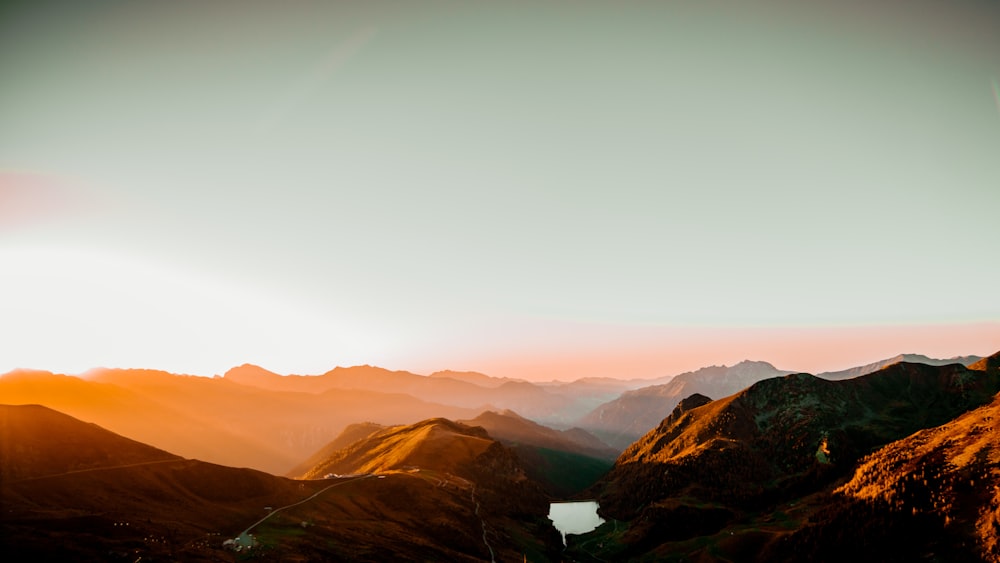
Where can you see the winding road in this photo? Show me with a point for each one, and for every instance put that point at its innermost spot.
(483, 521)
(244, 536)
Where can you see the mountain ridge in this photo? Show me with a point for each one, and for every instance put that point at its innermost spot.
(714, 464)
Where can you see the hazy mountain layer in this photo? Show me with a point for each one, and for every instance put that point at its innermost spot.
(911, 358)
(215, 419)
(623, 420)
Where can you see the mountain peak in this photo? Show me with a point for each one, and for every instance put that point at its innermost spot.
(989, 363)
(435, 443)
(248, 371)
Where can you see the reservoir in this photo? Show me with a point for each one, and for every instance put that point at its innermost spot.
(574, 517)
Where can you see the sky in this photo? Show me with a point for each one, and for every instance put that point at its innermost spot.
(544, 190)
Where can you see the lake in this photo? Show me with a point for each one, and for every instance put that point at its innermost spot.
(574, 517)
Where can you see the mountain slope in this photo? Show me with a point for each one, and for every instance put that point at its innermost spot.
(941, 485)
(458, 458)
(36, 441)
(951, 472)
(623, 420)
(728, 448)
(563, 462)
(167, 508)
(713, 465)
(75, 491)
(437, 444)
(348, 436)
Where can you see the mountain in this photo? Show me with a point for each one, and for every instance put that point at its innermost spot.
(127, 501)
(36, 441)
(563, 462)
(911, 358)
(623, 420)
(474, 377)
(75, 491)
(454, 457)
(734, 463)
(941, 484)
(468, 390)
(215, 419)
(437, 444)
(138, 416)
(367, 378)
(348, 436)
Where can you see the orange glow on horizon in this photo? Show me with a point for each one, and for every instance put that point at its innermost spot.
(648, 352)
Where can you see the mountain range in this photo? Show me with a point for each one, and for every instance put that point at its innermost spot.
(788, 466)
(123, 501)
(737, 466)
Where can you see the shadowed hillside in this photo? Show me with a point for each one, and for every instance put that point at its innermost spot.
(456, 457)
(939, 485)
(565, 462)
(125, 501)
(715, 464)
(36, 441)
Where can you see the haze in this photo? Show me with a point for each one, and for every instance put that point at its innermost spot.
(543, 191)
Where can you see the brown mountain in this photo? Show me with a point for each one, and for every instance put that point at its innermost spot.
(941, 485)
(127, 502)
(36, 441)
(622, 421)
(563, 462)
(75, 491)
(348, 436)
(714, 466)
(455, 457)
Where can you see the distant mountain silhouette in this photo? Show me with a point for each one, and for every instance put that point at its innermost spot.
(474, 377)
(465, 390)
(623, 420)
(911, 358)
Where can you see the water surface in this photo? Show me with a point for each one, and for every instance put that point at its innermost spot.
(574, 517)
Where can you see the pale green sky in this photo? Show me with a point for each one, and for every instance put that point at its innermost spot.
(401, 183)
